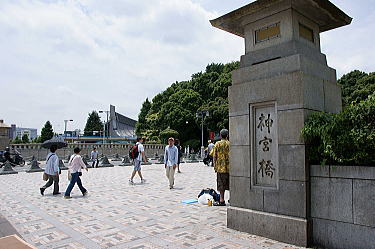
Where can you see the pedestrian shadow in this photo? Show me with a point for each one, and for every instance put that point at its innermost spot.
(138, 183)
(180, 188)
(51, 195)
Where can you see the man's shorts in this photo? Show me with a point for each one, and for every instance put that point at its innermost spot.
(137, 165)
(222, 181)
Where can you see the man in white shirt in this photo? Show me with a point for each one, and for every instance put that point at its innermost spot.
(76, 165)
(170, 161)
(52, 170)
(138, 161)
(209, 149)
(94, 158)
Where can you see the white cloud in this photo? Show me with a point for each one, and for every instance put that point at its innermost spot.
(61, 59)
(66, 58)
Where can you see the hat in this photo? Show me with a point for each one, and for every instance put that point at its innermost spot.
(224, 132)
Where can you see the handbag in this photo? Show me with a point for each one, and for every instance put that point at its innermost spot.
(45, 175)
(70, 175)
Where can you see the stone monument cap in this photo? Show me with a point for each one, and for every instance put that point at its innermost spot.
(324, 13)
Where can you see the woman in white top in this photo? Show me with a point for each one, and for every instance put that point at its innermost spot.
(76, 165)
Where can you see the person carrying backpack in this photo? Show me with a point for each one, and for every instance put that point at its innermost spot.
(137, 152)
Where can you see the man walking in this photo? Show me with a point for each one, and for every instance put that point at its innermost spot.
(138, 161)
(209, 149)
(76, 165)
(53, 171)
(221, 165)
(178, 146)
(170, 161)
(94, 158)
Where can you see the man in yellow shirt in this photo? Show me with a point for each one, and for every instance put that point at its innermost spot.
(220, 154)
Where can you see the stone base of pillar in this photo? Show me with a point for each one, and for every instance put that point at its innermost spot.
(282, 228)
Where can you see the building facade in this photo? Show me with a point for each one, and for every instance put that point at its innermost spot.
(4, 135)
(120, 125)
(20, 132)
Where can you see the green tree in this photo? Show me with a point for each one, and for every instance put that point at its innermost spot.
(93, 123)
(46, 133)
(25, 139)
(178, 113)
(17, 140)
(218, 114)
(344, 138)
(348, 84)
(364, 88)
(35, 140)
(204, 84)
(177, 105)
(167, 133)
(193, 144)
(142, 126)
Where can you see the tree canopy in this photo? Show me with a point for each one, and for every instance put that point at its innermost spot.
(93, 124)
(17, 140)
(356, 86)
(25, 139)
(348, 137)
(176, 107)
(46, 133)
(167, 133)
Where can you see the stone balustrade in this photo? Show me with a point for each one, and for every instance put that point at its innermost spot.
(29, 150)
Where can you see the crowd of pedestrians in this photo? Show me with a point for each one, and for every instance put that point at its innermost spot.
(217, 154)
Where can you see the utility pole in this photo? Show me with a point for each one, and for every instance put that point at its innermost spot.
(105, 129)
(202, 113)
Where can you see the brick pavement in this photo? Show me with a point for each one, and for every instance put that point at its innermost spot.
(118, 215)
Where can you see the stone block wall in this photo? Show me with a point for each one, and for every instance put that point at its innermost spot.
(29, 150)
(343, 206)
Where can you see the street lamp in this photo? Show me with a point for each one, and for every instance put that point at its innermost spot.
(105, 133)
(66, 122)
(202, 113)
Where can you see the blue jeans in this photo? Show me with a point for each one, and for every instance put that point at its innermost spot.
(75, 179)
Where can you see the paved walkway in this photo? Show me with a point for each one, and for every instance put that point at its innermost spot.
(117, 215)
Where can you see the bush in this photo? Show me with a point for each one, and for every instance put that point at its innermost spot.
(167, 133)
(345, 138)
(153, 140)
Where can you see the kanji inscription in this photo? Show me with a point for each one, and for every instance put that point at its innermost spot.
(265, 154)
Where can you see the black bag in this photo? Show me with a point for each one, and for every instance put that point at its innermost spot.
(211, 192)
(133, 152)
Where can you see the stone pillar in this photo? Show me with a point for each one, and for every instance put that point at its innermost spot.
(282, 78)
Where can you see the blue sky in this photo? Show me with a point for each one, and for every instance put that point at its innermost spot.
(61, 59)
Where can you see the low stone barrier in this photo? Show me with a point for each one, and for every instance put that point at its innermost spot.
(29, 150)
(343, 206)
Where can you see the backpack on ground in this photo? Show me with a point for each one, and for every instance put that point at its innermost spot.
(133, 152)
(211, 192)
